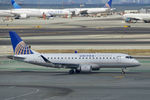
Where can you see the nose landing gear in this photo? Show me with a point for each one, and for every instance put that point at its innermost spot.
(122, 71)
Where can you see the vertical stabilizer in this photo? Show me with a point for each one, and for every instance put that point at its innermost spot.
(15, 5)
(19, 46)
(108, 4)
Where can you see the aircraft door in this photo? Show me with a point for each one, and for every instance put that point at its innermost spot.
(118, 59)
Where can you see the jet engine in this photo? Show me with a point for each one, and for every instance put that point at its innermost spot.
(131, 20)
(85, 68)
(21, 16)
(147, 21)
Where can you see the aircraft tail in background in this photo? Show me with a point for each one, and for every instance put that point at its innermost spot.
(108, 4)
(15, 5)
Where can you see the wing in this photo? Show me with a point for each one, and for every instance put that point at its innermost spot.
(58, 65)
(83, 12)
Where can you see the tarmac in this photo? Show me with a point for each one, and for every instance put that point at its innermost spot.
(22, 81)
(82, 38)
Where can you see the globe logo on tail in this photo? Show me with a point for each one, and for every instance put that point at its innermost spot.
(22, 49)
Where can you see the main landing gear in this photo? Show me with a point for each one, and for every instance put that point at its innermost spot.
(72, 71)
(123, 72)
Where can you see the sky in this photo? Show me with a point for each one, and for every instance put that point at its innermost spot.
(75, 1)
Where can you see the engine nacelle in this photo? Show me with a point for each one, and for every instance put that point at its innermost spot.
(128, 20)
(21, 16)
(147, 21)
(131, 20)
(86, 68)
(49, 14)
(77, 12)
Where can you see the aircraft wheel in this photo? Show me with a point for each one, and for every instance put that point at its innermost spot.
(123, 72)
(77, 71)
(71, 71)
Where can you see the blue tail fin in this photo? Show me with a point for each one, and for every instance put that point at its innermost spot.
(108, 4)
(19, 47)
(15, 5)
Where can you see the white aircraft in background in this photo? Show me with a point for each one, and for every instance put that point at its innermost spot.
(133, 18)
(77, 62)
(19, 12)
(78, 11)
(6, 13)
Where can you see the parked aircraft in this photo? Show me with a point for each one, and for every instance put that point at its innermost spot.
(19, 12)
(76, 62)
(6, 13)
(133, 18)
(78, 11)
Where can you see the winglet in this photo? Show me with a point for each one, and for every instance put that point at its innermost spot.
(19, 46)
(108, 4)
(15, 5)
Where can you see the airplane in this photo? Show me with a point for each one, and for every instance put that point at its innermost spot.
(133, 18)
(6, 13)
(106, 8)
(76, 62)
(23, 13)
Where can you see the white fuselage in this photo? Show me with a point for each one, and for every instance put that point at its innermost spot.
(5, 13)
(39, 12)
(95, 60)
(97, 10)
(138, 16)
(33, 12)
(88, 10)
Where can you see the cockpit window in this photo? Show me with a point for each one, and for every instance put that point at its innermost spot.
(129, 57)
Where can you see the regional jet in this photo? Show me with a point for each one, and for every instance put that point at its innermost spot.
(133, 18)
(76, 62)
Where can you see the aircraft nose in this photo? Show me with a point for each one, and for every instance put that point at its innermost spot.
(137, 63)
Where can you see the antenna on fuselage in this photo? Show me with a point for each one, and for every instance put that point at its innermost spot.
(75, 51)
